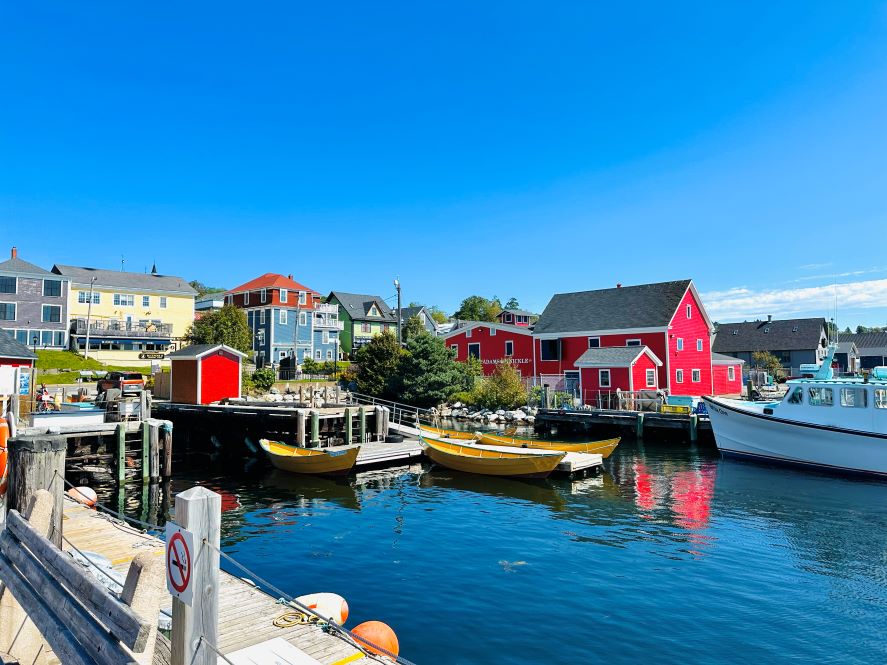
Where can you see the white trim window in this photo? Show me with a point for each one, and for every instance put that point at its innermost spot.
(282, 317)
(474, 350)
(689, 311)
(263, 295)
(731, 373)
(632, 342)
(8, 284)
(325, 337)
(329, 354)
(603, 378)
(492, 332)
(696, 375)
(594, 342)
(162, 302)
(303, 318)
(246, 298)
(679, 344)
(262, 317)
(679, 376)
(303, 297)
(54, 289)
(318, 355)
(51, 314)
(508, 318)
(651, 378)
(468, 333)
(284, 294)
(146, 301)
(83, 297)
(7, 311)
(454, 348)
(509, 348)
(124, 300)
(699, 345)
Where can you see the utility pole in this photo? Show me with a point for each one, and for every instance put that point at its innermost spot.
(89, 315)
(399, 315)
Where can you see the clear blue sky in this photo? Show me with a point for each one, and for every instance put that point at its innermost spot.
(506, 148)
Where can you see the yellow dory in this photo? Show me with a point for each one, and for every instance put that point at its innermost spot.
(332, 461)
(603, 447)
(443, 433)
(490, 461)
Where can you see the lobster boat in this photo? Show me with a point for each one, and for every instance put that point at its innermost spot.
(331, 461)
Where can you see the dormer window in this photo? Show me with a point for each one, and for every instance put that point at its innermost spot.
(263, 297)
(794, 328)
(374, 311)
(735, 332)
(303, 297)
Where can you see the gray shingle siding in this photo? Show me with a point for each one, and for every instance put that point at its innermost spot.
(29, 302)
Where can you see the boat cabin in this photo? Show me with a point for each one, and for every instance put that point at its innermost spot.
(862, 404)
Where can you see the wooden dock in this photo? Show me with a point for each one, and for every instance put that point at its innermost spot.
(599, 422)
(246, 614)
(380, 453)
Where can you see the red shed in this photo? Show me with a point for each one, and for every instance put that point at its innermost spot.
(205, 373)
(726, 374)
(605, 370)
(493, 344)
(13, 353)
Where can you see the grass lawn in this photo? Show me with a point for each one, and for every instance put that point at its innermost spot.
(69, 365)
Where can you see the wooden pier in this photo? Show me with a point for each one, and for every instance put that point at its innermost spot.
(599, 422)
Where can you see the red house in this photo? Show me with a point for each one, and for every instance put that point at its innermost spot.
(726, 374)
(205, 373)
(273, 290)
(515, 317)
(668, 318)
(493, 344)
(618, 368)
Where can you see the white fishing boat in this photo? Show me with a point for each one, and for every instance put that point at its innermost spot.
(825, 422)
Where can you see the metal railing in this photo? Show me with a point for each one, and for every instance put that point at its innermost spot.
(122, 328)
(624, 400)
(402, 414)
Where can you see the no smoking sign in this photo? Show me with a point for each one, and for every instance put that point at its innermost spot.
(179, 562)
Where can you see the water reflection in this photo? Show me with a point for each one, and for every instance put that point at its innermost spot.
(541, 492)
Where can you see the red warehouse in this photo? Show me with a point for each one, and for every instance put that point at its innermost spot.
(668, 318)
(493, 344)
(726, 374)
(205, 373)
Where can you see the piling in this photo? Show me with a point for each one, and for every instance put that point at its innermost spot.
(362, 415)
(639, 427)
(146, 452)
(694, 431)
(120, 436)
(153, 429)
(300, 425)
(38, 463)
(349, 426)
(378, 422)
(315, 429)
(166, 439)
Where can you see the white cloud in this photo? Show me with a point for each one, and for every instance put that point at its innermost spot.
(745, 303)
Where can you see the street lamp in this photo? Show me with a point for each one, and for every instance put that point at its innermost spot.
(399, 315)
(88, 315)
(34, 342)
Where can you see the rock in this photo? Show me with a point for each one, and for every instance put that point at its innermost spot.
(531, 419)
(500, 412)
(520, 415)
(457, 405)
(274, 391)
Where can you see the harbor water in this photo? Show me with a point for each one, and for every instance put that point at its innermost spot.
(672, 555)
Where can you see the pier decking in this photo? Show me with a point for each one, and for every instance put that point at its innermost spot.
(246, 614)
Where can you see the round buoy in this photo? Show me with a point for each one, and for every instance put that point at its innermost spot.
(4, 437)
(330, 606)
(379, 634)
(84, 495)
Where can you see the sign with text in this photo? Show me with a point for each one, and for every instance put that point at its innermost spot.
(24, 382)
(179, 562)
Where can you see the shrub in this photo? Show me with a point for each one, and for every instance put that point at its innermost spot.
(263, 379)
(503, 389)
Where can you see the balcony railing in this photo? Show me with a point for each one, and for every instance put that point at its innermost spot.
(122, 328)
(323, 322)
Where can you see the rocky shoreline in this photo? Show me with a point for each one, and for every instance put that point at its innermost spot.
(458, 411)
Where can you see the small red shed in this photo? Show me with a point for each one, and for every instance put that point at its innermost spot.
(605, 370)
(205, 373)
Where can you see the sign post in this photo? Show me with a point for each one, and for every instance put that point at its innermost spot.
(179, 563)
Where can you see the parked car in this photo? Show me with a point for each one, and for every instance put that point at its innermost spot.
(128, 382)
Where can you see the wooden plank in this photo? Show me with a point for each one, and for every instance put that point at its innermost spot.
(120, 619)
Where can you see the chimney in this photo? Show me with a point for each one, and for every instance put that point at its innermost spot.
(14, 253)
(769, 318)
(618, 286)
(290, 277)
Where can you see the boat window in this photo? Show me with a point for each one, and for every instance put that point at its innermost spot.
(821, 397)
(853, 397)
(796, 396)
(880, 398)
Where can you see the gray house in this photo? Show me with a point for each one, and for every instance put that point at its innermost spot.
(407, 313)
(33, 304)
(793, 341)
(872, 348)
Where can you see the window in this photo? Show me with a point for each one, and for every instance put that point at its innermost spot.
(508, 318)
(492, 332)
(52, 287)
(594, 342)
(263, 295)
(230, 300)
(604, 378)
(284, 294)
(731, 373)
(651, 378)
(52, 313)
(455, 348)
(21, 336)
(162, 302)
(820, 397)
(124, 300)
(853, 397)
(632, 342)
(509, 349)
(326, 337)
(679, 376)
(7, 285)
(365, 327)
(796, 396)
(699, 345)
(374, 311)
(83, 297)
(7, 311)
(468, 333)
(474, 351)
(59, 338)
(550, 349)
(880, 398)
(282, 317)
(46, 337)
(680, 344)
(696, 376)
(689, 312)
(246, 298)
(146, 301)
(262, 317)
(329, 354)
(303, 297)
(303, 319)
(317, 355)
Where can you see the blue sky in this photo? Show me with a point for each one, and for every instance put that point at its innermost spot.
(501, 148)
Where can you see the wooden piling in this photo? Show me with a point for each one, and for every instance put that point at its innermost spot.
(154, 450)
(639, 427)
(146, 451)
(199, 511)
(300, 425)
(315, 428)
(166, 438)
(349, 426)
(120, 436)
(362, 415)
(38, 463)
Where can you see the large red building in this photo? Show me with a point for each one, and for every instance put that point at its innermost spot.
(493, 344)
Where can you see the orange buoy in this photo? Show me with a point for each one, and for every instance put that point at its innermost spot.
(4, 471)
(84, 495)
(330, 606)
(378, 634)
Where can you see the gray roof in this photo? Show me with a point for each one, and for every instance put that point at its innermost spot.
(16, 265)
(358, 306)
(847, 347)
(197, 350)
(12, 348)
(409, 312)
(626, 307)
(462, 326)
(612, 356)
(783, 335)
(518, 312)
(125, 280)
(864, 341)
(721, 359)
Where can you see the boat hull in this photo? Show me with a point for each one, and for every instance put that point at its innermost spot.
(743, 433)
(471, 459)
(603, 448)
(336, 461)
(444, 433)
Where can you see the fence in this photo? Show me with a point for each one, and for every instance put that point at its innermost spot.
(402, 414)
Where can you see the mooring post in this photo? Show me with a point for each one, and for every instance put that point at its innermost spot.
(315, 428)
(362, 416)
(143, 406)
(349, 426)
(146, 451)
(166, 436)
(38, 463)
(199, 511)
(120, 437)
(749, 389)
(694, 431)
(378, 423)
(639, 431)
(300, 427)
(153, 428)
(386, 421)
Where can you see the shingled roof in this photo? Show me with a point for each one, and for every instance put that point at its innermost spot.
(134, 281)
(19, 267)
(621, 308)
(358, 306)
(864, 341)
(783, 335)
(10, 347)
(615, 356)
(271, 280)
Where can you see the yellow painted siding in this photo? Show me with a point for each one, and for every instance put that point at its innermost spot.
(179, 310)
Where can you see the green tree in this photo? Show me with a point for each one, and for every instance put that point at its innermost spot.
(263, 379)
(378, 366)
(225, 326)
(766, 360)
(202, 289)
(503, 389)
(512, 303)
(478, 308)
(310, 366)
(429, 373)
(412, 328)
(438, 315)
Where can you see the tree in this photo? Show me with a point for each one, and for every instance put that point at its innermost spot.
(512, 303)
(429, 374)
(503, 389)
(379, 365)
(438, 315)
(412, 328)
(767, 361)
(225, 326)
(202, 289)
(478, 308)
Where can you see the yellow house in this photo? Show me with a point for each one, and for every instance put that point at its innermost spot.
(127, 318)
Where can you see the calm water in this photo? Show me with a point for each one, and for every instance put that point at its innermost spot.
(672, 555)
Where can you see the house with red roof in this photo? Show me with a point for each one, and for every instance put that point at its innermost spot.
(288, 320)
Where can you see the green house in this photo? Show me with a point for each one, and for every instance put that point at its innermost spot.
(364, 317)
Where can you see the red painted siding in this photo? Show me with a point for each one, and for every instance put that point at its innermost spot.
(591, 386)
(15, 362)
(722, 383)
(573, 347)
(272, 299)
(492, 348)
(219, 377)
(639, 373)
(690, 330)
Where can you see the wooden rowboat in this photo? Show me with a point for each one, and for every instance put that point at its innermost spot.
(489, 461)
(332, 461)
(602, 448)
(443, 433)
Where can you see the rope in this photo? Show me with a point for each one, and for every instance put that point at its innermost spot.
(147, 526)
(213, 647)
